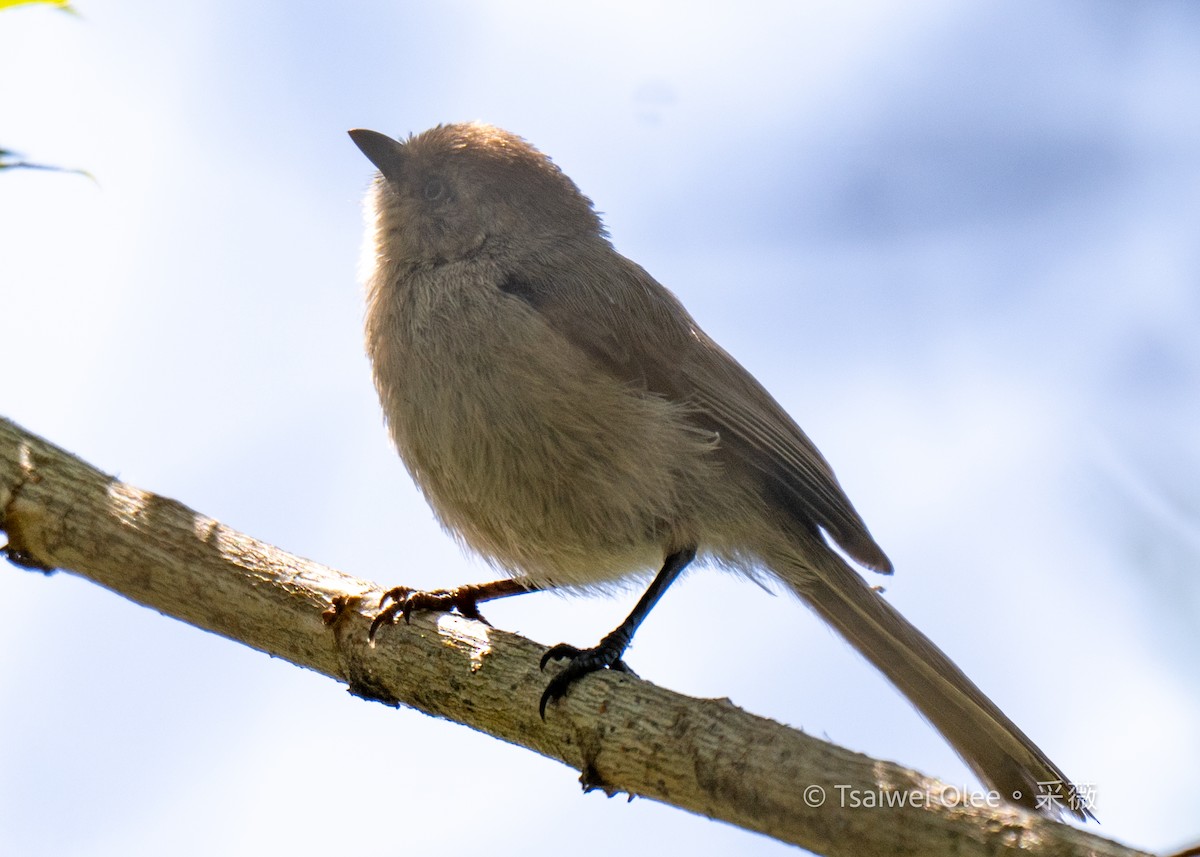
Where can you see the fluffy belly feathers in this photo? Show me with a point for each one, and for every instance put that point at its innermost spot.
(567, 476)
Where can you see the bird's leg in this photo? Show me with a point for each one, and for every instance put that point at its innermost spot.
(607, 653)
(464, 599)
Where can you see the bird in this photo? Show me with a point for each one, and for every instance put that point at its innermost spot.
(567, 419)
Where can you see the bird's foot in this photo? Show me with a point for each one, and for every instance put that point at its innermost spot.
(405, 601)
(606, 655)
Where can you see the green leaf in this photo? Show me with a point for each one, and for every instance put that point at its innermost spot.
(10, 160)
(65, 5)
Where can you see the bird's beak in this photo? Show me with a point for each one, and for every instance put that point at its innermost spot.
(384, 152)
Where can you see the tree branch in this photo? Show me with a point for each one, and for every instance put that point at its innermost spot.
(623, 734)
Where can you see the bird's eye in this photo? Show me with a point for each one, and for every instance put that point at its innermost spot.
(435, 189)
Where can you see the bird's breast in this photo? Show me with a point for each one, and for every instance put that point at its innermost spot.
(535, 456)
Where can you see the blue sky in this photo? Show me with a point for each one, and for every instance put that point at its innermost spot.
(956, 240)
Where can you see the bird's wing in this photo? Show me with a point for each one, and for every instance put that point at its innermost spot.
(681, 363)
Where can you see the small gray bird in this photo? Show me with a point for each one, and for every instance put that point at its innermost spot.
(567, 418)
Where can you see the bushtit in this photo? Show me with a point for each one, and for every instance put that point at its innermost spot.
(566, 417)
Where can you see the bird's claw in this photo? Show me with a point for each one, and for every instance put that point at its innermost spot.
(581, 663)
(406, 601)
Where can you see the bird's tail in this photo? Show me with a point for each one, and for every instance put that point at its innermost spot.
(1000, 753)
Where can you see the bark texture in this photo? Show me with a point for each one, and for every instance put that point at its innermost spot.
(623, 734)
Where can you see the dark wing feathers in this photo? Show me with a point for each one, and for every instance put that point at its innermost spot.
(681, 363)
(758, 430)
